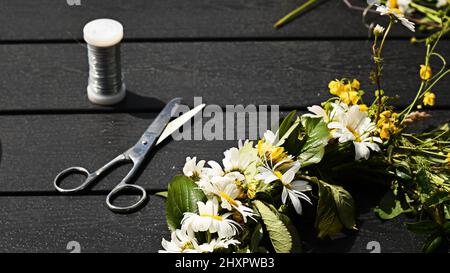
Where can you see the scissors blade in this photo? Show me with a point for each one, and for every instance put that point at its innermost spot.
(163, 117)
(178, 122)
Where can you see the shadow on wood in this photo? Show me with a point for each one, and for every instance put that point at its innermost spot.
(133, 100)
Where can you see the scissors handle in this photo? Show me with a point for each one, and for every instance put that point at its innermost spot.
(120, 190)
(90, 177)
(71, 171)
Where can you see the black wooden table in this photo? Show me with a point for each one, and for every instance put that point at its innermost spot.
(225, 51)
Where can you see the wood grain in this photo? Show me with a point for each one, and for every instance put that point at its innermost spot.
(52, 77)
(34, 148)
(49, 223)
(173, 19)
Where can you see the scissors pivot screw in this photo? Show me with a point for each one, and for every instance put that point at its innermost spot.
(144, 142)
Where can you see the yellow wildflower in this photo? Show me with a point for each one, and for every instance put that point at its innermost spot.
(385, 132)
(429, 99)
(425, 72)
(363, 108)
(385, 115)
(336, 87)
(387, 124)
(355, 84)
(350, 97)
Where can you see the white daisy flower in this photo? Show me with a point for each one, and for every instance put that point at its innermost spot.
(317, 112)
(403, 6)
(236, 161)
(378, 30)
(268, 174)
(227, 190)
(216, 244)
(214, 169)
(271, 137)
(180, 242)
(383, 10)
(192, 168)
(208, 219)
(357, 127)
(294, 188)
(442, 3)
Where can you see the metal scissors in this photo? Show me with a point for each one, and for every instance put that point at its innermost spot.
(135, 155)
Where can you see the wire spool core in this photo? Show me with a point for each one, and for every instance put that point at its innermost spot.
(105, 84)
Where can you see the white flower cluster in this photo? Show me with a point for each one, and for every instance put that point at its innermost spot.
(349, 123)
(227, 188)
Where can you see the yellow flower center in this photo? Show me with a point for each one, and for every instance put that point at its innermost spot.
(393, 4)
(228, 198)
(355, 133)
(215, 217)
(275, 154)
(187, 245)
(261, 149)
(251, 192)
(278, 174)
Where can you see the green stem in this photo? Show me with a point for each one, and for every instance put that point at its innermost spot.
(378, 68)
(408, 109)
(385, 36)
(421, 151)
(291, 15)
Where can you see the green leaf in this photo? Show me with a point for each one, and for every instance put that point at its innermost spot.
(296, 241)
(316, 140)
(327, 220)
(437, 198)
(291, 133)
(345, 206)
(286, 124)
(424, 184)
(183, 195)
(390, 207)
(447, 212)
(162, 194)
(403, 171)
(278, 232)
(255, 240)
(423, 227)
(432, 243)
(335, 210)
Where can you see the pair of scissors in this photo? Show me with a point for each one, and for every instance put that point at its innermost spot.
(135, 155)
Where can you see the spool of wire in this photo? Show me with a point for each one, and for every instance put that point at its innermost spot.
(105, 84)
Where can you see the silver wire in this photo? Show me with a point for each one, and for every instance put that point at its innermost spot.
(105, 71)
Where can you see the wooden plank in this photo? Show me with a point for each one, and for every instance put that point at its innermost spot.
(49, 223)
(46, 77)
(30, 161)
(33, 149)
(172, 19)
